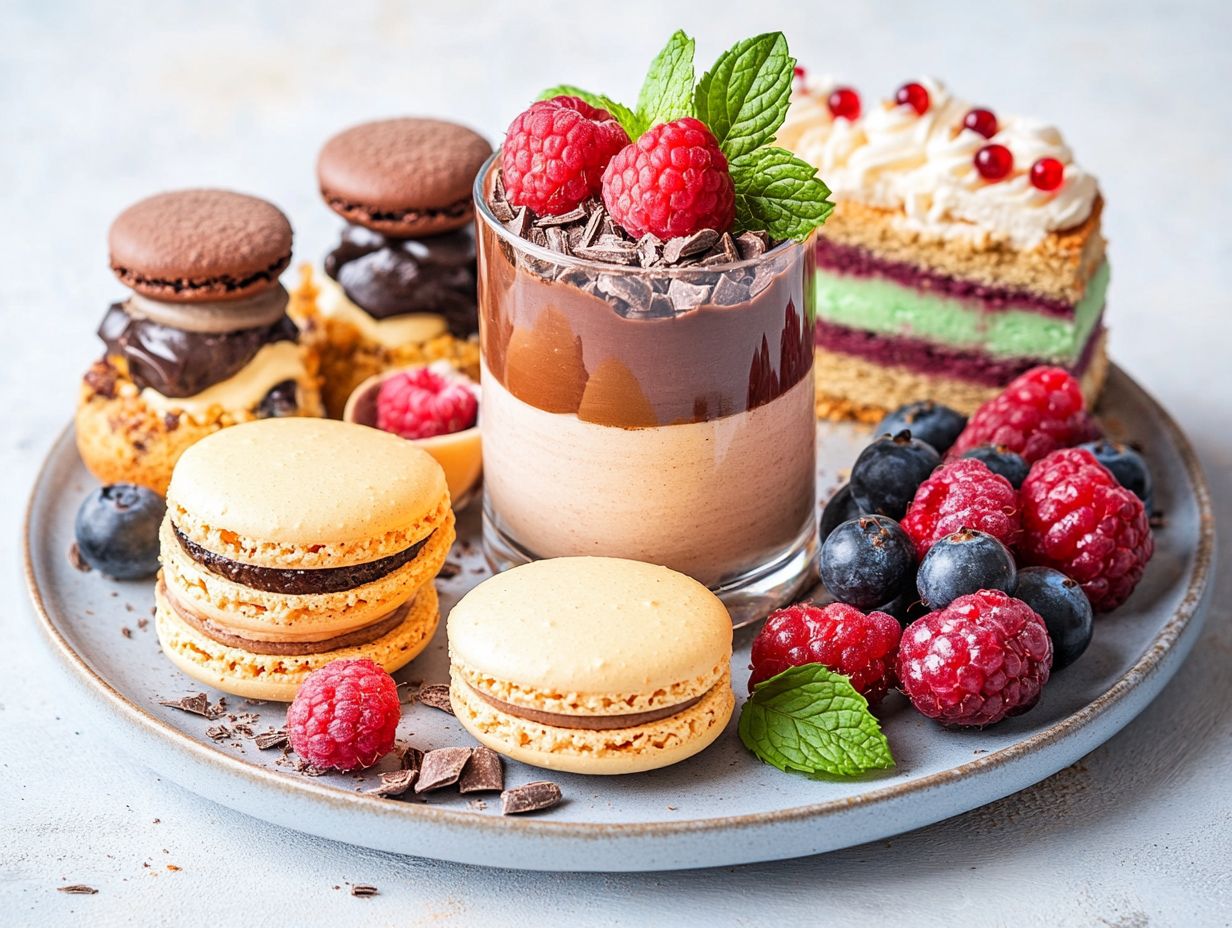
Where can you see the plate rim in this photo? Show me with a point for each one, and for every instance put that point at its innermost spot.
(1157, 650)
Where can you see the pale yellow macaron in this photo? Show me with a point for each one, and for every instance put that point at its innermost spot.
(291, 542)
(592, 665)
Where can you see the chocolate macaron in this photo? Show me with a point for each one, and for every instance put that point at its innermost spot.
(405, 178)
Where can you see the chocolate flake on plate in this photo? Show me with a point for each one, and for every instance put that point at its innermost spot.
(395, 783)
(363, 889)
(435, 696)
(483, 773)
(75, 558)
(441, 768)
(531, 797)
(218, 732)
(197, 704)
(77, 889)
(271, 739)
(412, 759)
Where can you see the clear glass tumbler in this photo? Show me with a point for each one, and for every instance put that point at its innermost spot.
(660, 414)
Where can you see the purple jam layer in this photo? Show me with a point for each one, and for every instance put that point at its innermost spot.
(857, 262)
(937, 360)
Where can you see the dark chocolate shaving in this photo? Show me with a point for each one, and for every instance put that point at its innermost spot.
(395, 783)
(484, 773)
(519, 225)
(363, 889)
(197, 704)
(685, 295)
(532, 797)
(435, 696)
(77, 889)
(441, 768)
(271, 739)
(576, 214)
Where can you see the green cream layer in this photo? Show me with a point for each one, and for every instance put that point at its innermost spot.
(875, 304)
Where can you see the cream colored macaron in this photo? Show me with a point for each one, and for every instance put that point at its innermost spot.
(592, 665)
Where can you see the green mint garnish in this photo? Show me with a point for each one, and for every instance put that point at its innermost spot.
(778, 193)
(667, 92)
(622, 114)
(811, 720)
(744, 97)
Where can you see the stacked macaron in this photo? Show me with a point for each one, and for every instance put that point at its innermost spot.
(400, 287)
(592, 665)
(291, 543)
(204, 340)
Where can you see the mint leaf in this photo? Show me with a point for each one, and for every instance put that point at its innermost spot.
(778, 193)
(628, 120)
(667, 92)
(811, 720)
(743, 98)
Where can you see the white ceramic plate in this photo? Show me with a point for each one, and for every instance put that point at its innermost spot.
(721, 807)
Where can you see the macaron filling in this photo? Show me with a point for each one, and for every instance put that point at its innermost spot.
(588, 722)
(299, 581)
(456, 210)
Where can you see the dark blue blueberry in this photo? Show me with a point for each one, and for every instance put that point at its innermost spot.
(1063, 607)
(906, 607)
(281, 400)
(889, 471)
(840, 508)
(928, 421)
(117, 530)
(1126, 464)
(964, 562)
(1001, 460)
(867, 561)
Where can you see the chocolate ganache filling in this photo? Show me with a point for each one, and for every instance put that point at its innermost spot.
(296, 581)
(389, 277)
(177, 363)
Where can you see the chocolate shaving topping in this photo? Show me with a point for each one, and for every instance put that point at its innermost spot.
(726, 248)
(395, 783)
(687, 246)
(519, 225)
(484, 773)
(197, 704)
(363, 889)
(685, 295)
(727, 292)
(436, 696)
(271, 739)
(75, 558)
(591, 233)
(633, 290)
(751, 245)
(532, 797)
(649, 249)
(77, 889)
(441, 768)
(562, 219)
(557, 240)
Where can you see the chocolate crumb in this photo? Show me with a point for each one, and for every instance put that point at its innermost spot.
(271, 739)
(1157, 520)
(395, 783)
(218, 732)
(441, 768)
(477, 804)
(75, 558)
(483, 773)
(449, 570)
(412, 759)
(77, 889)
(143, 623)
(171, 421)
(126, 631)
(531, 797)
(363, 889)
(436, 696)
(197, 704)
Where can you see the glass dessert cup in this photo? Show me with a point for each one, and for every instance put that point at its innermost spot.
(661, 414)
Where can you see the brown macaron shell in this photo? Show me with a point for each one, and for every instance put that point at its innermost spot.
(405, 177)
(190, 246)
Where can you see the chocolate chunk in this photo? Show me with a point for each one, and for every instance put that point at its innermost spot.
(441, 767)
(590, 234)
(484, 773)
(532, 797)
(609, 249)
(537, 236)
(762, 278)
(728, 293)
(577, 214)
(75, 558)
(498, 187)
(557, 239)
(412, 759)
(633, 290)
(751, 245)
(685, 295)
(689, 245)
(197, 704)
(171, 421)
(101, 379)
(649, 249)
(218, 732)
(363, 889)
(435, 696)
(395, 783)
(449, 570)
(501, 210)
(271, 739)
(726, 246)
(77, 889)
(520, 223)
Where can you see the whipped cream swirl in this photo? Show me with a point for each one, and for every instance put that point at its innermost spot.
(924, 165)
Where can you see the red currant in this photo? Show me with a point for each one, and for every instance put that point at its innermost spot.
(982, 121)
(800, 75)
(913, 95)
(845, 103)
(1047, 174)
(994, 162)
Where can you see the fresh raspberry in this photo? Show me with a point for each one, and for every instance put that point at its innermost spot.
(1078, 519)
(421, 403)
(982, 658)
(1039, 412)
(963, 494)
(345, 715)
(555, 152)
(672, 181)
(863, 647)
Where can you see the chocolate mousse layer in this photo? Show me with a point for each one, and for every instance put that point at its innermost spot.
(587, 722)
(360, 636)
(178, 363)
(296, 581)
(643, 347)
(389, 277)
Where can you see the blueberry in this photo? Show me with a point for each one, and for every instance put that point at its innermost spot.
(889, 471)
(1126, 465)
(867, 561)
(117, 530)
(1001, 460)
(928, 421)
(964, 562)
(1064, 608)
(281, 400)
(906, 607)
(839, 509)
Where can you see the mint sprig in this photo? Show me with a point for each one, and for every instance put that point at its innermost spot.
(809, 719)
(744, 97)
(667, 92)
(778, 193)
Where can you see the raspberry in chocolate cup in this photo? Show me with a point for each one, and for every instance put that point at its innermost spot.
(203, 341)
(399, 288)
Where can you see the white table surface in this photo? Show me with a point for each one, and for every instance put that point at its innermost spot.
(104, 103)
